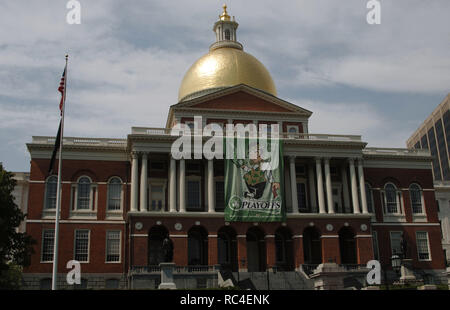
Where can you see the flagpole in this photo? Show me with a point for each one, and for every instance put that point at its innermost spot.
(58, 189)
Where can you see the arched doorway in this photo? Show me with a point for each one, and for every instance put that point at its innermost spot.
(284, 251)
(312, 246)
(256, 250)
(227, 248)
(197, 246)
(347, 245)
(156, 236)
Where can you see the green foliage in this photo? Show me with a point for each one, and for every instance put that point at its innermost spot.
(15, 247)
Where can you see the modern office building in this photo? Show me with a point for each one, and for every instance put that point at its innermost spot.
(434, 134)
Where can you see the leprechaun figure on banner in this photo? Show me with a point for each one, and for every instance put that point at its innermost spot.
(255, 178)
(253, 186)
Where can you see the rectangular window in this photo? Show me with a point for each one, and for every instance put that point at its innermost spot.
(113, 246)
(442, 149)
(48, 241)
(417, 145)
(376, 251)
(396, 239)
(300, 170)
(301, 196)
(156, 197)
(82, 245)
(423, 250)
(446, 120)
(193, 195)
(220, 196)
(424, 142)
(434, 154)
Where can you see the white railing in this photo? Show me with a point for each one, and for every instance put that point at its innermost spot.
(284, 135)
(81, 141)
(395, 151)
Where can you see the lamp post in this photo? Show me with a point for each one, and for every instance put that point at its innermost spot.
(396, 264)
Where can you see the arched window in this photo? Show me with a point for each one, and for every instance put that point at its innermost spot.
(50, 192)
(156, 237)
(114, 193)
(415, 193)
(312, 246)
(197, 246)
(256, 250)
(284, 249)
(84, 193)
(391, 199)
(227, 248)
(227, 34)
(347, 246)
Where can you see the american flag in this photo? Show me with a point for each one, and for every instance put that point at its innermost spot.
(62, 89)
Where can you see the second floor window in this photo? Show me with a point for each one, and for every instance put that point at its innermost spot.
(369, 197)
(193, 195)
(84, 193)
(50, 192)
(114, 194)
(391, 199)
(415, 193)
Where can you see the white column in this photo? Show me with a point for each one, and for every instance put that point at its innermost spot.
(144, 183)
(320, 193)
(362, 187)
(312, 188)
(134, 182)
(293, 175)
(182, 186)
(328, 185)
(354, 186)
(173, 185)
(211, 201)
(345, 188)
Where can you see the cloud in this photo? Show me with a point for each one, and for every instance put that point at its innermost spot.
(127, 60)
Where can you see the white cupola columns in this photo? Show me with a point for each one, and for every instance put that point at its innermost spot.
(225, 29)
(134, 181)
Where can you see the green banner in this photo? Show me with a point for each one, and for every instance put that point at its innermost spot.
(254, 187)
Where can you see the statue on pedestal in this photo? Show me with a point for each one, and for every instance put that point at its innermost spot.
(167, 248)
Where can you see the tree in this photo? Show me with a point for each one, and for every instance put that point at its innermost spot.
(15, 247)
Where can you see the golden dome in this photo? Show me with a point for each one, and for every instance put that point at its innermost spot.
(225, 67)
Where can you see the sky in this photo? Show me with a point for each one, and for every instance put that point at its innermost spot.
(127, 60)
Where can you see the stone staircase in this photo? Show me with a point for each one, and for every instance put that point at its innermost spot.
(280, 280)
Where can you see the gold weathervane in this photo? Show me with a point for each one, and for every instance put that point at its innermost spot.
(225, 15)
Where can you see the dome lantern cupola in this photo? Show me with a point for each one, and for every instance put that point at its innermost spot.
(225, 30)
(225, 65)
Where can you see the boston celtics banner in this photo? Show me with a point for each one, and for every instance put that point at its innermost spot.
(254, 182)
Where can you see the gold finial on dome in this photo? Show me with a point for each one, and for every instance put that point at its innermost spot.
(225, 15)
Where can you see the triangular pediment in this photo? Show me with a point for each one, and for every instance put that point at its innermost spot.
(242, 98)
